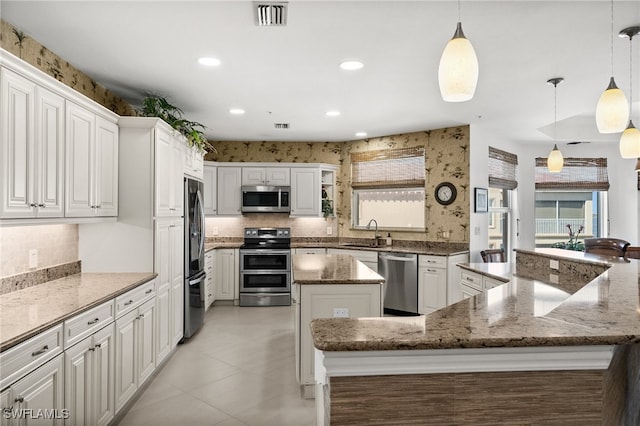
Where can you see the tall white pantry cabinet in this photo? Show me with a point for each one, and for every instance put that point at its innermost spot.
(149, 233)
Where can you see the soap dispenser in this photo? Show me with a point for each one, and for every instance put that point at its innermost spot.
(388, 238)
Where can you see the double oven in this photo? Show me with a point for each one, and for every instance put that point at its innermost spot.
(265, 267)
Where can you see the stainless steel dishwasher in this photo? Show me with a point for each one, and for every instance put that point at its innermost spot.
(400, 271)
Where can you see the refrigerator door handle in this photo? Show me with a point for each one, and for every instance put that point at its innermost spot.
(198, 278)
(200, 208)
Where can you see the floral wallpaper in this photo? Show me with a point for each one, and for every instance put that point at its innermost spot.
(29, 50)
(447, 160)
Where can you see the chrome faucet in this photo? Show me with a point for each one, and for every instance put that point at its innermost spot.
(375, 232)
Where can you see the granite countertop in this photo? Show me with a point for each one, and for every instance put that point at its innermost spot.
(499, 271)
(27, 312)
(522, 312)
(331, 269)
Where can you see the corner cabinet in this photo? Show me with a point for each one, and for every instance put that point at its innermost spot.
(312, 191)
(210, 189)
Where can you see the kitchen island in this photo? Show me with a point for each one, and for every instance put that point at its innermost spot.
(326, 286)
(518, 353)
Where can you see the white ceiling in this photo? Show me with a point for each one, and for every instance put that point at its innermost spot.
(290, 74)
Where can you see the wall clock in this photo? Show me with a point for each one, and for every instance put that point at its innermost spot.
(446, 193)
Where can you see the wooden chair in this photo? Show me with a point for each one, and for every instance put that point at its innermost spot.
(606, 246)
(492, 255)
(632, 252)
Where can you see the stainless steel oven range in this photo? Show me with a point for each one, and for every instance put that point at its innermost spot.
(265, 267)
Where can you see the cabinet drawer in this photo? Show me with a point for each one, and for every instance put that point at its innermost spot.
(432, 261)
(471, 280)
(27, 356)
(86, 323)
(491, 283)
(134, 298)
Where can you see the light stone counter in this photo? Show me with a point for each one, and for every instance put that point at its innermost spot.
(331, 269)
(27, 312)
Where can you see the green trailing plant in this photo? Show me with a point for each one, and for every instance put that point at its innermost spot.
(573, 243)
(159, 106)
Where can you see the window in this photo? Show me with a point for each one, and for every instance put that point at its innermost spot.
(388, 186)
(502, 181)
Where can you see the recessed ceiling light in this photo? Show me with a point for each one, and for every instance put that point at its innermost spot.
(361, 134)
(209, 62)
(332, 113)
(351, 65)
(236, 111)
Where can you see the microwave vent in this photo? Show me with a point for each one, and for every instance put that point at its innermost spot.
(270, 14)
(281, 125)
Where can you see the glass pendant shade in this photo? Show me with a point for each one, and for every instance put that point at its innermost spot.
(630, 142)
(612, 111)
(555, 160)
(458, 70)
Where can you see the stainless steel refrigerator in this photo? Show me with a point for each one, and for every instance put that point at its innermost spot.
(194, 272)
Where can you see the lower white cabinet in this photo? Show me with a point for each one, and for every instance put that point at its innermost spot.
(40, 390)
(89, 379)
(432, 283)
(227, 274)
(309, 251)
(135, 351)
(473, 283)
(209, 287)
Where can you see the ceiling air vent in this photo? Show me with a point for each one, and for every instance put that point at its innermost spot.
(270, 14)
(281, 125)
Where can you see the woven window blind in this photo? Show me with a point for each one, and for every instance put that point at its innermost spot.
(502, 169)
(388, 168)
(583, 174)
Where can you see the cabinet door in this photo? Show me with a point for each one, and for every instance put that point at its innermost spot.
(6, 407)
(79, 382)
(126, 353)
(278, 176)
(229, 179)
(210, 190)
(80, 143)
(106, 168)
(17, 127)
(104, 408)
(254, 176)
(164, 321)
(176, 308)
(177, 179)
(163, 172)
(146, 343)
(226, 274)
(432, 289)
(42, 389)
(305, 192)
(163, 266)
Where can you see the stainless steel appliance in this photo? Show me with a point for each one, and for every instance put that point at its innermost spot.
(400, 271)
(265, 267)
(266, 199)
(194, 273)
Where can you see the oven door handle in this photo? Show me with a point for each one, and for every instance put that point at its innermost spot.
(264, 251)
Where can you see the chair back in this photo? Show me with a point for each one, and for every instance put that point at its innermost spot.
(606, 246)
(492, 255)
(632, 252)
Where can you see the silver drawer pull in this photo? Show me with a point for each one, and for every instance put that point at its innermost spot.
(93, 321)
(431, 270)
(19, 399)
(44, 349)
(97, 345)
(468, 279)
(148, 291)
(128, 303)
(42, 205)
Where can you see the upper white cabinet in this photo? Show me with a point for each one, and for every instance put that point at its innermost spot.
(210, 189)
(193, 162)
(312, 191)
(270, 176)
(229, 184)
(92, 164)
(169, 165)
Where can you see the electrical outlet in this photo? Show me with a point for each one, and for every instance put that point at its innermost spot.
(216, 231)
(33, 258)
(553, 278)
(341, 312)
(445, 234)
(476, 230)
(554, 264)
(329, 230)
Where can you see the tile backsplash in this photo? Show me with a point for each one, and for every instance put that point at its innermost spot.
(55, 244)
(300, 226)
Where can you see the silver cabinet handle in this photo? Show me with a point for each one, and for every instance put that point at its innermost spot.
(19, 399)
(33, 205)
(92, 349)
(43, 205)
(431, 270)
(97, 345)
(44, 349)
(93, 321)
(128, 303)
(148, 291)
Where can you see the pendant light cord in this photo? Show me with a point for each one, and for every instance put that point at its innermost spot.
(459, 20)
(630, 77)
(555, 112)
(611, 55)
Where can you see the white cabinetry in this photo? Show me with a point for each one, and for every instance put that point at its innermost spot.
(305, 191)
(432, 283)
(32, 123)
(227, 271)
(210, 292)
(210, 189)
(321, 301)
(473, 283)
(271, 176)
(229, 184)
(169, 174)
(309, 251)
(89, 379)
(453, 277)
(368, 257)
(91, 165)
(193, 162)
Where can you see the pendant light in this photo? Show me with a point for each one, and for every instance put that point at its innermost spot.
(612, 111)
(638, 166)
(458, 70)
(555, 160)
(630, 139)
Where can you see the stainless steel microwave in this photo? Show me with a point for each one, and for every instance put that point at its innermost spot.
(266, 199)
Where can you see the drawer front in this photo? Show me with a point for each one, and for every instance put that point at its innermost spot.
(134, 298)
(491, 283)
(471, 280)
(27, 356)
(432, 261)
(86, 323)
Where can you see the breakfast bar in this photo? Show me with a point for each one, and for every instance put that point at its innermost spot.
(557, 344)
